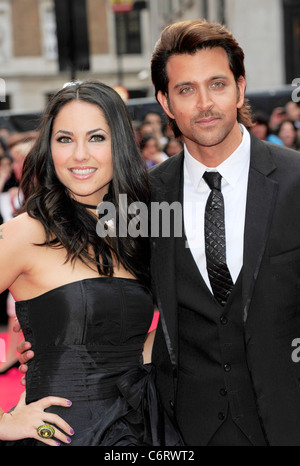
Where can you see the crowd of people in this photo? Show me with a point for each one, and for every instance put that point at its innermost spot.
(281, 127)
(157, 143)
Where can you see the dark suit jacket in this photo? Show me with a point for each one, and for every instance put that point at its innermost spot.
(271, 287)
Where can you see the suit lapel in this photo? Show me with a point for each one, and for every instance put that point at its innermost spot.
(261, 198)
(168, 186)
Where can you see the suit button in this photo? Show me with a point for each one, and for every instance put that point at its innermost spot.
(221, 416)
(223, 392)
(172, 404)
(223, 320)
(227, 367)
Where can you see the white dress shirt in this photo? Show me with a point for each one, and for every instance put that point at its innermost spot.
(235, 173)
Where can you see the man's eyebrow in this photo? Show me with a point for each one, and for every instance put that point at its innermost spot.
(219, 76)
(184, 83)
(190, 83)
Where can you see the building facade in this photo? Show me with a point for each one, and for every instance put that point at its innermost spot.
(120, 44)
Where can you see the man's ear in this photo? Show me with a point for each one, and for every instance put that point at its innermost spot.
(241, 84)
(163, 100)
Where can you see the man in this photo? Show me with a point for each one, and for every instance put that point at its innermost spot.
(223, 347)
(223, 350)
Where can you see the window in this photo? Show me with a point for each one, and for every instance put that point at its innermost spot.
(5, 33)
(128, 33)
(49, 32)
(292, 39)
(5, 104)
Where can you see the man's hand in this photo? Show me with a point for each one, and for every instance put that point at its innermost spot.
(26, 354)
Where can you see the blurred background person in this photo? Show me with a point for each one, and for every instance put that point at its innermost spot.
(154, 119)
(7, 182)
(293, 114)
(145, 129)
(261, 129)
(151, 151)
(292, 111)
(287, 132)
(278, 115)
(173, 147)
(7, 176)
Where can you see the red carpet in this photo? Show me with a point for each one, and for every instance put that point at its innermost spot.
(155, 321)
(10, 386)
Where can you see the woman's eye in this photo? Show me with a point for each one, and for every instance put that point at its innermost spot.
(64, 139)
(97, 138)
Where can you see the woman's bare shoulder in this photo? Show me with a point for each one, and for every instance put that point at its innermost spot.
(23, 228)
(17, 239)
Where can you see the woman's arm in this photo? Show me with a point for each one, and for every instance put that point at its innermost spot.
(16, 238)
(24, 420)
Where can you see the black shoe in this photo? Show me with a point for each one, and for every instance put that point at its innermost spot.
(12, 365)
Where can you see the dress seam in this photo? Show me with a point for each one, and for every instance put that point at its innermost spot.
(84, 307)
(123, 312)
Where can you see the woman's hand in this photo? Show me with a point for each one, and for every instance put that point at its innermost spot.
(24, 421)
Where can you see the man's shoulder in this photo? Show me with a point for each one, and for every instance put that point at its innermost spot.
(169, 166)
(280, 151)
(285, 161)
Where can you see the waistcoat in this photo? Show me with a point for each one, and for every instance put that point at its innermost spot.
(213, 376)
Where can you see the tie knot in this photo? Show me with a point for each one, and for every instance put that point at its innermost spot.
(213, 179)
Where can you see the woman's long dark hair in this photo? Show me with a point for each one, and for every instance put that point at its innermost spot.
(67, 223)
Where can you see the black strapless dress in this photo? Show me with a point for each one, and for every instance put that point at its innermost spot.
(88, 339)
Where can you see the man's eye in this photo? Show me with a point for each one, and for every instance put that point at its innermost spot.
(218, 85)
(186, 90)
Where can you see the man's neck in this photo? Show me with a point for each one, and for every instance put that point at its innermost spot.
(213, 156)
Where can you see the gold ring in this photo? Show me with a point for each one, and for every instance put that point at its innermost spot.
(45, 431)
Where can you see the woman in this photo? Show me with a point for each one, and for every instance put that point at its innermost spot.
(174, 146)
(151, 152)
(287, 132)
(83, 301)
(7, 177)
